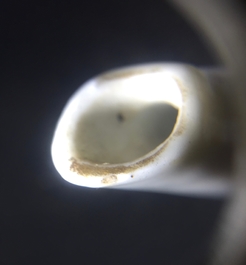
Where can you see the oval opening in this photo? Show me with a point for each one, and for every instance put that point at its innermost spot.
(128, 119)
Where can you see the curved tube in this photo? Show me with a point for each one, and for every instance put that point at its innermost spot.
(223, 23)
(153, 127)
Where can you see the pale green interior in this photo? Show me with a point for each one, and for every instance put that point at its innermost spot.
(115, 131)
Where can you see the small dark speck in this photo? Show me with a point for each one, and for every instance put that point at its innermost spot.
(132, 176)
(120, 117)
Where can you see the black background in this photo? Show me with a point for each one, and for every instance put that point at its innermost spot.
(47, 50)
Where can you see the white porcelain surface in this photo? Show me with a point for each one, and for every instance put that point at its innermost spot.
(145, 127)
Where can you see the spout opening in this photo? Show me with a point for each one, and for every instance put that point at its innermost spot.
(129, 118)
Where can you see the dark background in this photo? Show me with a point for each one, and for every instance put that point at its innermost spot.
(47, 50)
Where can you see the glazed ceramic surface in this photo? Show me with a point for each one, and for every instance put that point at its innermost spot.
(148, 127)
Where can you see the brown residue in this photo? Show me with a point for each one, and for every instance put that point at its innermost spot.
(109, 179)
(180, 125)
(180, 128)
(88, 169)
(182, 88)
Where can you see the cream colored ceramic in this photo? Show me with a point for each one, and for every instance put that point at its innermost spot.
(148, 127)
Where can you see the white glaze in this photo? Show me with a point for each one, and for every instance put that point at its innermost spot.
(113, 130)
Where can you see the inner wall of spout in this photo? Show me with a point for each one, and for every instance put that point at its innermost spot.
(121, 126)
